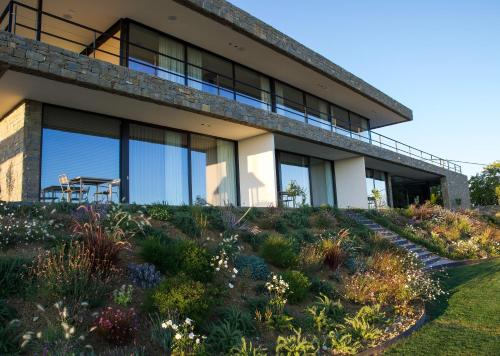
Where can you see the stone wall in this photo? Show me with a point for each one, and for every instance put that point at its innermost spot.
(455, 190)
(20, 135)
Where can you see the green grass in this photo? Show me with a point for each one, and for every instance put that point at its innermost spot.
(465, 322)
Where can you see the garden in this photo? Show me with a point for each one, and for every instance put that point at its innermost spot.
(457, 235)
(191, 280)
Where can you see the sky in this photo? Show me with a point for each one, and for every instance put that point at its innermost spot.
(441, 58)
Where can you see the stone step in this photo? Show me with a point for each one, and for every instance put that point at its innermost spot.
(400, 242)
(424, 254)
(441, 263)
(431, 260)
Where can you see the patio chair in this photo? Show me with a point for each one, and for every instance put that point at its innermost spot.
(71, 192)
(107, 193)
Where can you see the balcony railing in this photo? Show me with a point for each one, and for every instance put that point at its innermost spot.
(27, 21)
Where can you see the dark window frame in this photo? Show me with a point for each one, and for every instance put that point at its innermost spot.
(124, 156)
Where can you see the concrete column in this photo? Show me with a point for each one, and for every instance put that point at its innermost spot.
(390, 200)
(455, 191)
(20, 139)
(350, 182)
(257, 170)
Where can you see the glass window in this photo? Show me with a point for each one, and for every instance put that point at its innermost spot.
(213, 169)
(155, 54)
(376, 188)
(360, 125)
(321, 182)
(78, 144)
(210, 73)
(252, 88)
(340, 118)
(294, 172)
(289, 102)
(158, 166)
(317, 112)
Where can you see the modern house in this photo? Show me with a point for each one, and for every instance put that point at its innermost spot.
(186, 101)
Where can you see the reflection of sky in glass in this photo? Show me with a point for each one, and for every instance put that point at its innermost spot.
(380, 185)
(76, 154)
(298, 174)
(199, 163)
(158, 173)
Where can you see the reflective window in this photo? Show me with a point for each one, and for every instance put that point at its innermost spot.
(294, 176)
(360, 125)
(340, 118)
(376, 188)
(79, 145)
(158, 166)
(210, 73)
(289, 102)
(155, 54)
(252, 88)
(321, 182)
(213, 169)
(317, 112)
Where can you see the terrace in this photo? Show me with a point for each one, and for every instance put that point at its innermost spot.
(129, 44)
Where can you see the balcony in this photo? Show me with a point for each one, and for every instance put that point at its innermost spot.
(116, 46)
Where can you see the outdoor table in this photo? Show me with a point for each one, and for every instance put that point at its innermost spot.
(52, 189)
(82, 181)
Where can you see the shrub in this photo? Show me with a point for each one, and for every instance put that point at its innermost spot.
(7, 313)
(123, 296)
(144, 275)
(21, 224)
(117, 326)
(12, 270)
(298, 284)
(160, 212)
(10, 337)
(297, 218)
(184, 221)
(223, 337)
(334, 310)
(301, 236)
(175, 256)
(310, 257)
(247, 349)
(333, 251)
(179, 293)
(58, 333)
(279, 251)
(70, 272)
(119, 220)
(254, 240)
(125, 350)
(241, 320)
(323, 219)
(160, 336)
(255, 265)
(185, 341)
(296, 345)
(343, 344)
(320, 286)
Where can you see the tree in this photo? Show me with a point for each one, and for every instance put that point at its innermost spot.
(485, 186)
(294, 190)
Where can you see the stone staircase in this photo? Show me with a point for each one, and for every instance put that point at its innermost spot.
(429, 259)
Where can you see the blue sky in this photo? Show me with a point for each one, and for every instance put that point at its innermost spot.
(441, 58)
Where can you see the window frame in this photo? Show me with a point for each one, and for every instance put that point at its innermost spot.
(124, 151)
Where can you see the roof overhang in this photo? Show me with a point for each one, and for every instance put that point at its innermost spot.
(229, 31)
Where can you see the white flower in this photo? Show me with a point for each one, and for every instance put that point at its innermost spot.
(188, 321)
(178, 336)
(197, 340)
(174, 326)
(191, 335)
(235, 270)
(230, 285)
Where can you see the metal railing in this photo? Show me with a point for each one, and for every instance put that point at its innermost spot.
(88, 41)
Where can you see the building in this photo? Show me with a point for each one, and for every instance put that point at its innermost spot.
(183, 101)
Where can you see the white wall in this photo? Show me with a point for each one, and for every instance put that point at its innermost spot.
(257, 169)
(350, 182)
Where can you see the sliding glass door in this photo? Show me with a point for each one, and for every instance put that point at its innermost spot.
(158, 166)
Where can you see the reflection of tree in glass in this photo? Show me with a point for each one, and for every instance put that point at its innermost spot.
(377, 197)
(294, 191)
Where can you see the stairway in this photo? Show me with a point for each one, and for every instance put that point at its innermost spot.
(429, 259)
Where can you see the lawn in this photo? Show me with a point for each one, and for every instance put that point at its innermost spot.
(464, 322)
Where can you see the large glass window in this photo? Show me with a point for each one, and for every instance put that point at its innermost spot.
(252, 88)
(321, 182)
(289, 102)
(80, 145)
(158, 166)
(155, 54)
(317, 112)
(294, 176)
(376, 188)
(210, 73)
(340, 118)
(213, 169)
(360, 126)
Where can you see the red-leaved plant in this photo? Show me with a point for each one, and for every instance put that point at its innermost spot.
(118, 326)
